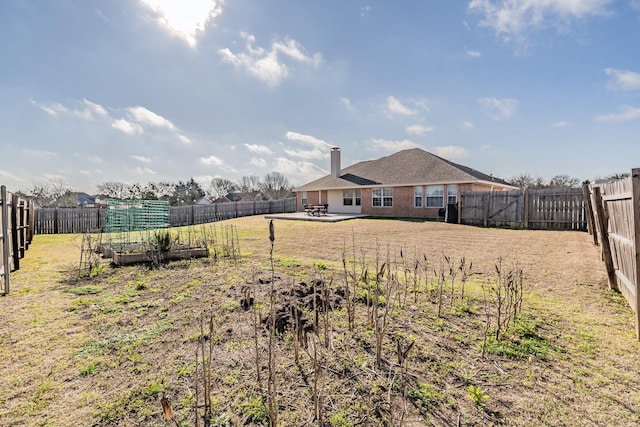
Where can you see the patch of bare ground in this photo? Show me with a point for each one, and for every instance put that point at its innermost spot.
(368, 331)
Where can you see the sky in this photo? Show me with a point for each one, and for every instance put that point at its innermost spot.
(140, 91)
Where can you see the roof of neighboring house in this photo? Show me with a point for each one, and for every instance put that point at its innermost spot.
(85, 199)
(408, 167)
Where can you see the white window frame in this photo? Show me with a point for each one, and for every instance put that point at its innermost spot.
(434, 194)
(384, 196)
(303, 198)
(418, 196)
(347, 197)
(452, 193)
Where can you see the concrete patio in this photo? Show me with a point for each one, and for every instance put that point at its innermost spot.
(301, 216)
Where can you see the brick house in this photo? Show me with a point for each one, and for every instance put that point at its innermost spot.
(410, 183)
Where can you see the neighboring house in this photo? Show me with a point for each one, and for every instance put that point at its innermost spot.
(409, 183)
(241, 197)
(203, 201)
(101, 200)
(85, 200)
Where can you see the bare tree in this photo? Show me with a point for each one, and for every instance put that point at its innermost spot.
(276, 186)
(525, 181)
(114, 189)
(564, 181)
(54, 194)
(249, 184)
(221, 187)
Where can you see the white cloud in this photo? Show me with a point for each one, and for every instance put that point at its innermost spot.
(298, 172)
(466, 125)
(89, 110)
(55, 177)
(95, 159)
(395, 145)
(623, 79)
(497, 108)
(261, 163)
(211, 161)
(473, 53)
(635, 4)
(39, 153)
(127, 127)
(628, 113)
(260, 149)
(395, 107)
(84, 109)
(452, 152)
(145, 171)
(560, 124)
(513, 19)
(269, 66)
(314, 154)
(346, 103)
(142, 159)
(146, 117)
(185, 19)
(364, 11)
(320, 148)
(184, 139)
(8, 175)
(51, 109)
(309, 140)
(418, 129)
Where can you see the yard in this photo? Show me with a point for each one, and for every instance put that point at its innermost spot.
(397, 345)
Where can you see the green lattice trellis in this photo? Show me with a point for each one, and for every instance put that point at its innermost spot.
(130, 222)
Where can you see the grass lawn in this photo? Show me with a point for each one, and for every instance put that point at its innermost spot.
(385, 335)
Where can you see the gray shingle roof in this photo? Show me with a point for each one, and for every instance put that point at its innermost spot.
(408, 167)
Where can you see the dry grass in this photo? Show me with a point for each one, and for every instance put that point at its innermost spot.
(103, 351)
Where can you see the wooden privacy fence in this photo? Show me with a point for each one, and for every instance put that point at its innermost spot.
(616, 216)
(16, 234)
(544, 209)
(82, 220)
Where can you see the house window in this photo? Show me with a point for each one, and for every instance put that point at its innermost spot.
(435, 196)
(347, 197)
(304, 198)
(382, 197)
(351, 197)
(452, 193)
(417, 197)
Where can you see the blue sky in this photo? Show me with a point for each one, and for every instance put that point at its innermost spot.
(164, 90)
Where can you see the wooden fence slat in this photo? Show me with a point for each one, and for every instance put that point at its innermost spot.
(635, 189)
(603, 231)
(5, 268)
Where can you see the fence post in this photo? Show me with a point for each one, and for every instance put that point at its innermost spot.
(55, 220)
(485, 209)
(591, 221)
(15, 236)
(4, 233)
(604, 234)
(526, 207)
(635, 199)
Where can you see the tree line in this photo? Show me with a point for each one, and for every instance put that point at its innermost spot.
(527, 181)
(273, 185)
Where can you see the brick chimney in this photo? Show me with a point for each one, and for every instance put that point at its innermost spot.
(335, 162)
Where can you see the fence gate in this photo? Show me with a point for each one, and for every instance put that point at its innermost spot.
(492, 209)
